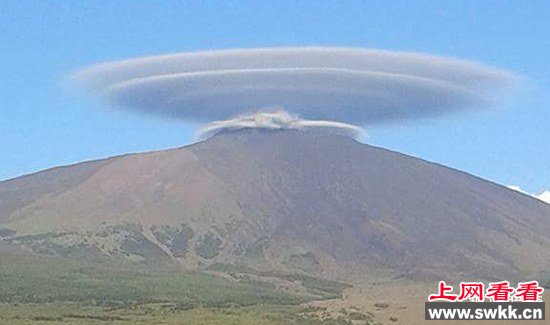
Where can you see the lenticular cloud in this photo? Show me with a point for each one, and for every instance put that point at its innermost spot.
(355, 86)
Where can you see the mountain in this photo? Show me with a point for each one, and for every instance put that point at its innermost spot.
(290, 201)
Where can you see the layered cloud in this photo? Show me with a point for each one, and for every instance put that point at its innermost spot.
(355, 86)
(278, 120)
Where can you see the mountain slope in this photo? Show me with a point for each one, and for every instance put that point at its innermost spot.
(282, 200)
(19, 192)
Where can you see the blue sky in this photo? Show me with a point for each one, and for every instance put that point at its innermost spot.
(45, 123)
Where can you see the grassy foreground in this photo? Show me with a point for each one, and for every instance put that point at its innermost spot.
(37, 289)
(66, 313)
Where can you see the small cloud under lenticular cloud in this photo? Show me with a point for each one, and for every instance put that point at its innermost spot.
(357, 86)
(543, 196)
(278, 120)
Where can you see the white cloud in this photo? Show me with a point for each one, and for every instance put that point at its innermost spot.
(278, 120)
(543, 196)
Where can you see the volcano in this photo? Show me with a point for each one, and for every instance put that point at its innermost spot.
(287, 200)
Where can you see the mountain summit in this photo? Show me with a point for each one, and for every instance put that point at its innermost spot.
(288, 200)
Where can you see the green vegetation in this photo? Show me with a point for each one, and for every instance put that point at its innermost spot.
(52, 244)
(320, 288)
(72, 314)
(381, 305)
(176, 239)
(38, 279)
(80, 278)
(254, 249)
(40, 289)
(304, 261)
(208, 246)
(121, 241)
(135, 243)
(6, 232)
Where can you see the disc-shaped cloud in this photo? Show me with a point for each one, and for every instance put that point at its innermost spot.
(348, 85)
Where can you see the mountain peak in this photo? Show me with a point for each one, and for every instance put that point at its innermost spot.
(294, 200)
(278, 135)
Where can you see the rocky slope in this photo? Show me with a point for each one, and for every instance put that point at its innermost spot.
(289, 201)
